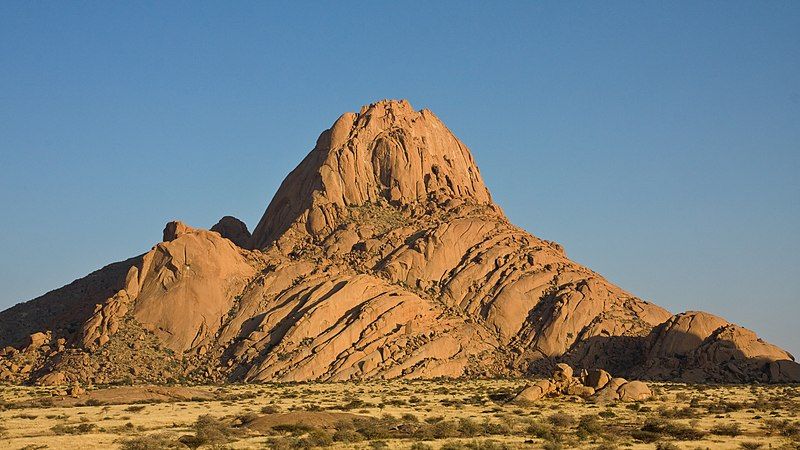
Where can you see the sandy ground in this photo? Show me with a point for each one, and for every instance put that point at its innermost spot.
(34, 417)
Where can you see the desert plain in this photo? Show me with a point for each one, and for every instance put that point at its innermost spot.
(406, 414)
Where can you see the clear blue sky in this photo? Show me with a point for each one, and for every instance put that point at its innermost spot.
(658, 141)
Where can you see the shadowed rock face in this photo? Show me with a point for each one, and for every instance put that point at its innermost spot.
(233, 229)
(381, 255)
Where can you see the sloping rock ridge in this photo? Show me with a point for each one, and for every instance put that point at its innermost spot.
(382, 255)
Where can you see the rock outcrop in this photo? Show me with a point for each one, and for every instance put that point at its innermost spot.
(595, 385)
(233, 229)
(382, 255)
(700, 347)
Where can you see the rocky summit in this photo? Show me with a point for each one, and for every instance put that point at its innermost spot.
(382, 255)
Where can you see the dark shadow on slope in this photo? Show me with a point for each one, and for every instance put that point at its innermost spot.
(63, 310)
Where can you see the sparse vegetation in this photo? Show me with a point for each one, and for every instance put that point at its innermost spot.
(421, 415)
(728, 429)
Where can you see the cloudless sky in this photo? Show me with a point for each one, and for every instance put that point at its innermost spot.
(659, 142)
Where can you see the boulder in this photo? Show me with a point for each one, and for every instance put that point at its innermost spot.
(536, 391)
(580, 390)
(562, 373)
(174, 229)
(633, 391)
(784, 371)
(76, 390)
(596, 378)
(700, 347)
(55, 378)
(37, 340)
(609, 392)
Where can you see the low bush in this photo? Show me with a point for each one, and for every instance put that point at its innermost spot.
(728, 429)
(154, 442)
(589, 425)
(73, 429)
(654, 427)
(561, 420)
(543, 431)
(667, 446)
(270, 409)
(208, 430)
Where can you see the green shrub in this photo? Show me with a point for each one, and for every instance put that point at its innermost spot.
(295, 429)
(653, 427)
(209, 430)
(607, 446)
(552, 445)
(77, 429)
(347, 435)
(270, 409)
(154, 442)
(561, 420)
(420, 446)
(468, 427)
(543, 431)
(730, 429)
(645, 436)
(589, 425)
(667, 446)
(318, 438)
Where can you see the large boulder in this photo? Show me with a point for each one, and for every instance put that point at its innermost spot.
(55, 378)
(609, 392)
(187, 284)
(784, 371)
(562, 373)
(633, 391)
(683, 333)
(579, 390)
(37, 340)
(596, 378)
(536, 391)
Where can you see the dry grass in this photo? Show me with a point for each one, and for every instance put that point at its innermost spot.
(419, 415)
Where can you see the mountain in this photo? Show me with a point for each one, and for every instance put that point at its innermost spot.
(382, 255)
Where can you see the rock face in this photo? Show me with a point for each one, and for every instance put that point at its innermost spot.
(381, 255)
(700, 347)
(389, 152)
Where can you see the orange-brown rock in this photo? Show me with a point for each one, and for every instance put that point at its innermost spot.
(633, 391)
(187, 286)
(700, 347)
(37, 340)
(388, 151)
(597, 378)
(382, 255)
(536, 391)
(684, 333)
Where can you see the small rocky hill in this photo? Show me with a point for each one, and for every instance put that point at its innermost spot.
(382, 255)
